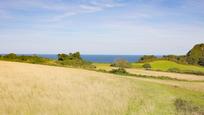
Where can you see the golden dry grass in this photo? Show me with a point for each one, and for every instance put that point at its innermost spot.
(39, 89)
(27, 89)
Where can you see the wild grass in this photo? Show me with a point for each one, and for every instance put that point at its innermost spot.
(187, 107)
(27, 89)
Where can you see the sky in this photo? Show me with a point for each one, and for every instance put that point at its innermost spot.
(131, 27)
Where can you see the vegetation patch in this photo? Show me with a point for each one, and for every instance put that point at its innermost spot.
(119, 71)
(195, 56)
(187, 108)
(70, 60)
(25, 58)
(170, 66)
(121, 63)
(73, 59)
(177, 70)
(148, 58)
(147, 66)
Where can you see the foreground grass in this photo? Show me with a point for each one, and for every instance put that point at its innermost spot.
(27, 89)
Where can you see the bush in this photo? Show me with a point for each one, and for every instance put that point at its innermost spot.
(121, 63)
(174, 70)
(119, 71)
(194, 72)
(147, 58)
(147, 66)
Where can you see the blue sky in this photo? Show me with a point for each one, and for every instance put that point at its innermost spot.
(101, 26)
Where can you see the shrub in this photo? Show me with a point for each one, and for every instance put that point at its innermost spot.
(174, 70)
(147, 66)
(194, 72)
(119, 71)
(121, 63)
(147, 58)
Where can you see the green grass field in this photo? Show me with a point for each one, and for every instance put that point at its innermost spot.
(161, 65)
(103, 66)
(164, 65)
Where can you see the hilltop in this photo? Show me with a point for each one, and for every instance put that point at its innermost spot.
(196, 55)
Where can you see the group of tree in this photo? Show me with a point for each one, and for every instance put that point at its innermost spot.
(73, 59)
(24, 58)
(195, 56)
(70, 56)
(121, 63)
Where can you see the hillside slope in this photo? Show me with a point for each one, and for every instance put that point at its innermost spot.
(195, 54)
(27, 89)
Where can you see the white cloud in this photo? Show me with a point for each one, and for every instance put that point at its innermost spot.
(90, 7)
(57, 9)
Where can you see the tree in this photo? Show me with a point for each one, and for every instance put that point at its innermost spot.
(70, 56)
(147, 66)
(62, 57)
(121, 63)
(10, 56)
(194, 55)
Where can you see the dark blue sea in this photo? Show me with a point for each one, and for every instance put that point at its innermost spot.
(100, 58)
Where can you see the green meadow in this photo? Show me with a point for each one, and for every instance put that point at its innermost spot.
(164, 65)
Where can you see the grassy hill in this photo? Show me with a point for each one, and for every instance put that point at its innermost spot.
(37, 89)
(196, 54)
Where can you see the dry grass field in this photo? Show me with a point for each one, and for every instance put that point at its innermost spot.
(28, 89)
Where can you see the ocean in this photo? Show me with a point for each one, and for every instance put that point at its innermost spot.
(100, 58)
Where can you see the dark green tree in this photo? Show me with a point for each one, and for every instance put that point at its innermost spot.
(194, 55)
(121, 63)
(10, 56)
